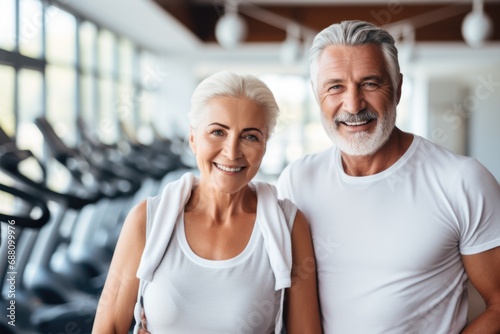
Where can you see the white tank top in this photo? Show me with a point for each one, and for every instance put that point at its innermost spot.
(190, 295)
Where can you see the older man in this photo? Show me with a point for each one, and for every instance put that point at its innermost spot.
(399, 224)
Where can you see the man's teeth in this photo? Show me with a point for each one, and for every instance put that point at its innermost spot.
(356, 123)
(228, 169)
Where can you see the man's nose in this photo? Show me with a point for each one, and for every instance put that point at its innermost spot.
(353, 100)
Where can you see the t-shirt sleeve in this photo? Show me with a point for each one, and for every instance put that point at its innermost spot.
(478, 201)
(283, 185)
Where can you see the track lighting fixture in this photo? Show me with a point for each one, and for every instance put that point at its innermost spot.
(291, 48)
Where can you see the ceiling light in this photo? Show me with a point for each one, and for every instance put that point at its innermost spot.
(231, 29)
(477, 27)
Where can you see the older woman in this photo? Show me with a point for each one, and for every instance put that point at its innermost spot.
(218, 253)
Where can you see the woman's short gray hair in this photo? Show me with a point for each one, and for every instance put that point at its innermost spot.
(229, 84)
(355, 33)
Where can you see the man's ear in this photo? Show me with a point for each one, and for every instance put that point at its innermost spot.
(315, 93)
(399, 89)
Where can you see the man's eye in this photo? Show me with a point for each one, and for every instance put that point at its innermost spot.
(370, 85)
(336, 87)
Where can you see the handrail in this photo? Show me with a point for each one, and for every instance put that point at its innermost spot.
(26, 221)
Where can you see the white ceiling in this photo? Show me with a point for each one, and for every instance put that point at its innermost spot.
(143, 21)
(150, 26)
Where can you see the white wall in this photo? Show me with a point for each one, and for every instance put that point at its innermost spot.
(460, 90)
(484, 125)
(178, 83)
(446, 127)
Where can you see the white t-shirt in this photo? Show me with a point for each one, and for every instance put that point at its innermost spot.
(388, 246)
(190, 294)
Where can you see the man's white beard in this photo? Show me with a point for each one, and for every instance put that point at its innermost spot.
(361, 143)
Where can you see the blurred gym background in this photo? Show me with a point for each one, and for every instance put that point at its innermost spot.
(94, 98)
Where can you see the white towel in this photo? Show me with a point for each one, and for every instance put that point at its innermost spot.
(270, 218)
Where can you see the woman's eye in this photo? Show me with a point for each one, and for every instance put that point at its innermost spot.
(251, 137)
(217, 132)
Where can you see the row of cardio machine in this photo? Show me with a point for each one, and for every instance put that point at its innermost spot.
(56, 245)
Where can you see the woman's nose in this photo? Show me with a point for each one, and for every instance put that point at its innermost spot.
(232, 148)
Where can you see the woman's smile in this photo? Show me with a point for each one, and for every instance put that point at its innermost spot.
(227, 168)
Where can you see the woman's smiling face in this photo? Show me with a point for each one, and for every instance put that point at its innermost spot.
(230, 142)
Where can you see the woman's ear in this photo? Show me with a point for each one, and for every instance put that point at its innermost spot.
(191, 140)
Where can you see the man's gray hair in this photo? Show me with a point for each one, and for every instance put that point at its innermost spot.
(229, 84)
(355, 33)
